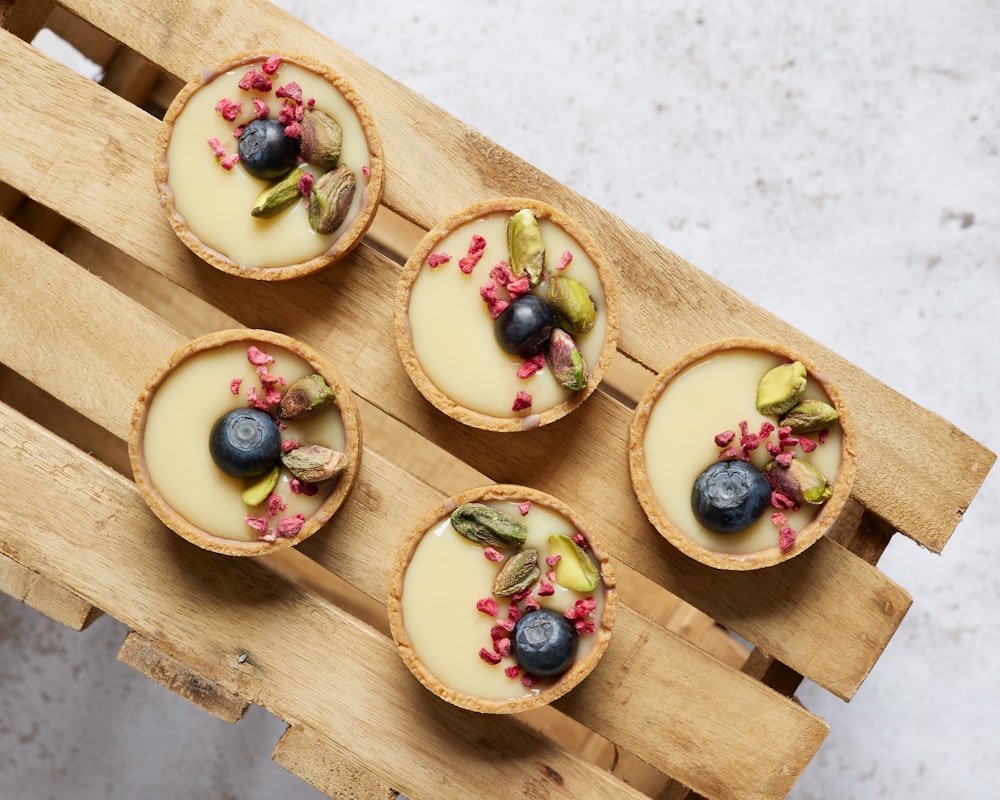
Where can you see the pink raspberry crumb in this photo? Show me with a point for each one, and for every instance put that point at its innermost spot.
(564, 260)
(494, 303)
(724, 438)
(437, 259)
(580, 540)
(512, 671)
(476, 247)
(291, 90)
(259, 524)
(488, 606)
(524, 507)
(270, 66)
(290, 526)
(217, 149)
(501, 273)
(786, 538)
(807, 444)
(229, 162)
(489, 656)
(247, 80)
(521, 401)
(306, 183)
(492, 554)
(261, 109)
(519, 287)
(545, 589)
(275, 505)
(531, 603)
(301, 487)
(528, 680)
(778, 519)
(366, 170)
(258, 357)
(289, 444)
(234, 385)
(229, 109)
(531, 365)
(584, 626)
(505, 625)
(784, 459)
(553, 559)
(293, 130)
(502, 646)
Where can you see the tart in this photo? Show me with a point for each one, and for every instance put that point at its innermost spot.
(501, 599)
(269, 166)
(742, 454)
(506, 315)
(245, 442)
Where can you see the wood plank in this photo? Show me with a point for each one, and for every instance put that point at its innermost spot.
(24, 18)
(328, 767)
(670, 305)
(54, 601)
(825, 613)
(156, 661)
(154, 581)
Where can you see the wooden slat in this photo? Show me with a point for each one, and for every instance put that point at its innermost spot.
(825, 613)
(41, 594)
(155, 582)
(157, 662)
(328, 767)
(670, 305)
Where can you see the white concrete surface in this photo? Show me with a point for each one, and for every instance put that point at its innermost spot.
(848, 147)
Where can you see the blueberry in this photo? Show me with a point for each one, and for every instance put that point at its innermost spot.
(265, 151)
(730, 496)
(524, 326)
(245, 442)
(543, 643)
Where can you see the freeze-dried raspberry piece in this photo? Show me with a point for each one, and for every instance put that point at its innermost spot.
(494, 303)
(786, 539)
(275, 505)
(258, 357)
(492, 554)
(489, 656)
(291, 90)
(437, 259)
(217, 149)
(531, 365)
(293, 130)
(234, 385)
(564, 260)
(261, 109)
(306, 183)
(521, 401)
(229, 162)
(476, 247)
(524, 507)
(259, 524)
(229, 109)
(290, 526)
(301, 487)
(271, 64)
(488, 606)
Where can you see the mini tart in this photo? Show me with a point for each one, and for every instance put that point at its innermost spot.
(484, 365)
(654, 435)
(209, 207)
(220, 343)
(448, 593)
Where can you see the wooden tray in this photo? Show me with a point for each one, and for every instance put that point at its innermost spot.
(98, 291)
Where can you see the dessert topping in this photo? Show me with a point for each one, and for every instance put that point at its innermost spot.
(522, 401)
(809, 416)
(526, 246)
(244, 443)
(257, 490)
(277, 197)
(518, 574)
(574, 569)
(488, 606)
(314, 463)
(781, 388)
(476, 247)
(799, 481)
(572, 303)
(488, 526)
(306, 397)
(330, 199)
(566, 361)
(437, 259)
(321, 139)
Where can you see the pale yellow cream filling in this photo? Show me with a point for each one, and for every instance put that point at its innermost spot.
(215, 203)
(175, 442)
(444, 580)
(452, 331)
(709, 397)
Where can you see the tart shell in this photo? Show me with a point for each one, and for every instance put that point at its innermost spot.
(567, 680)
(418, 260)
(348, 239)
(810, 533)
(196, 535)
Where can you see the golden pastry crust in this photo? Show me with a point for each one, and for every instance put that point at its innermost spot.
(569, 679)
(418, 260)
(346, 242)
(810, 533)
(176, 522)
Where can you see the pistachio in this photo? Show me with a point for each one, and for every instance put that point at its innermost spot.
(799, 481)
(526, 246)
(572, 303)
(305, 397)
(330, 199)
(321, 139)
(781, 388)
(488, 526)
(575, 570)
(313, 463)
(809, 416)
(518, 573)
(277, 197)
(257, 489)
(566, 361)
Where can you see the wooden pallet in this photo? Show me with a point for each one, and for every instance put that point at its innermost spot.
(97, 291)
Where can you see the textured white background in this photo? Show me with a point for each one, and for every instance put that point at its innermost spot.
(836, 162)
